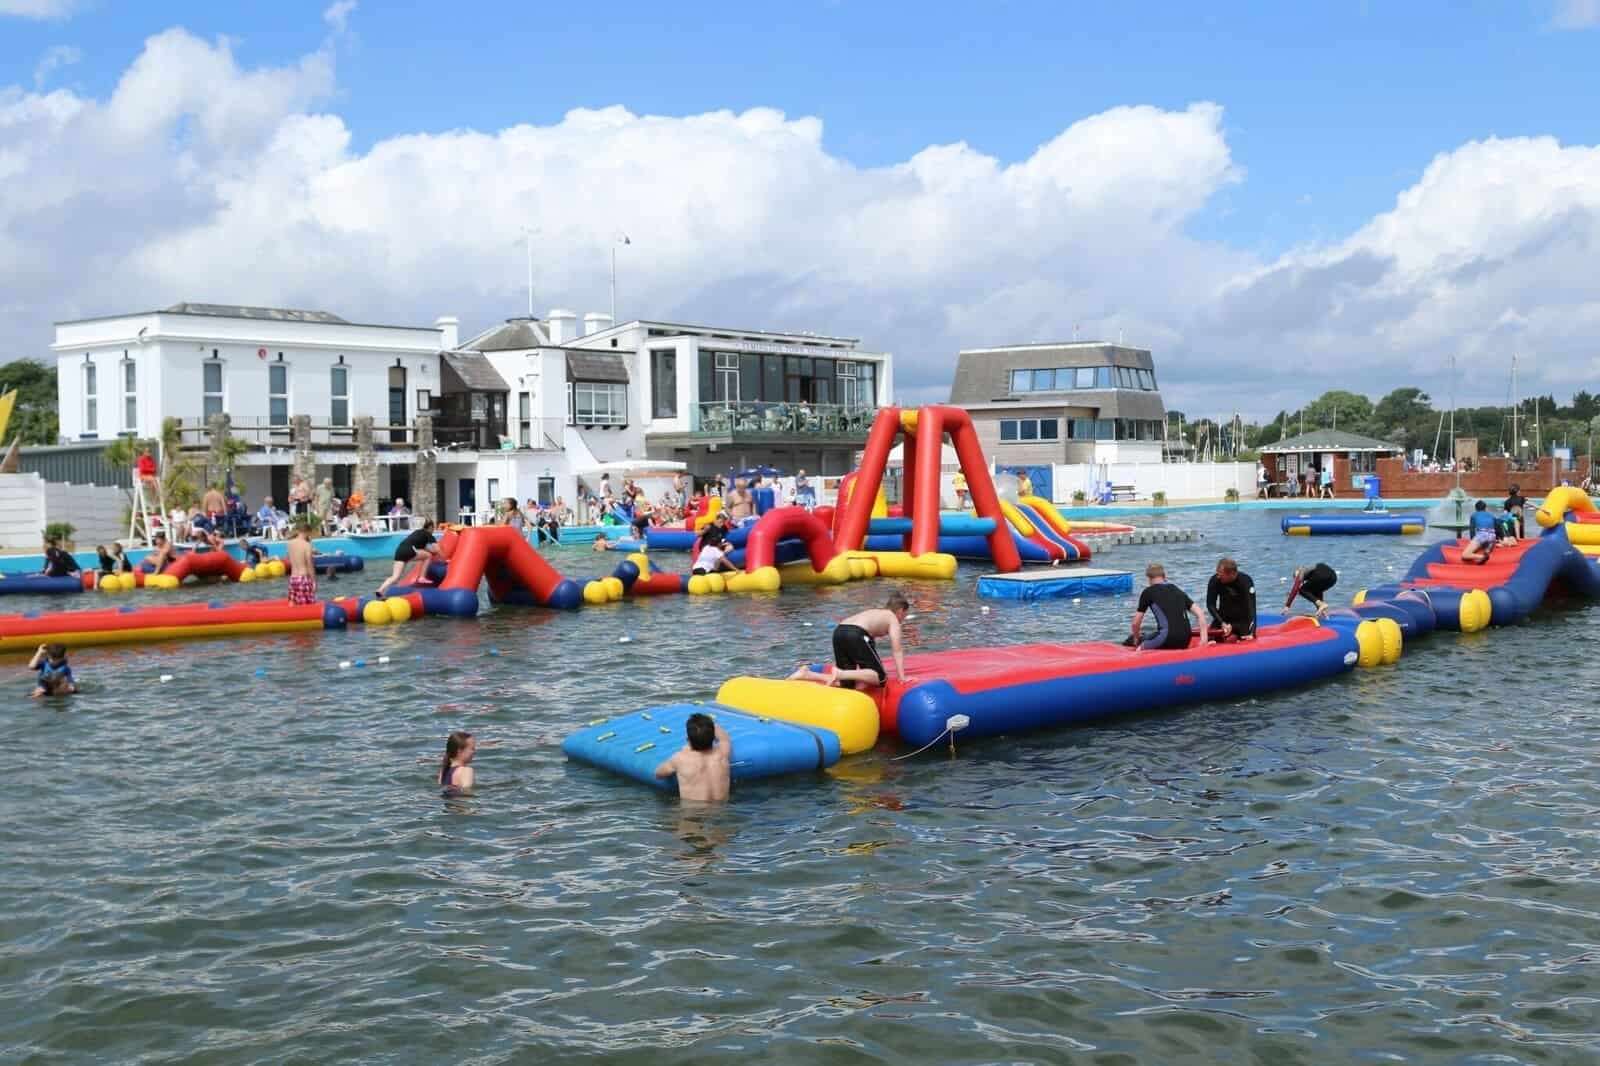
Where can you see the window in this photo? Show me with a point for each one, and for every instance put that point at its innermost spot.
(1044, 380)
(211, 377)
(1029, 430)
(1147, 380)
(570, 412)
(1021, 381)
(664, 383)
(599, 404)
(1064, 379)
(525, 419)
(1083, 377)
(727, 382)
(91, 402)
(278, 394)
(130, 395)
(424, 401)
(339, 391)
(494, 490)
(772, 377)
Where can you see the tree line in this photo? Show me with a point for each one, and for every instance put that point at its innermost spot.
(1407, 417)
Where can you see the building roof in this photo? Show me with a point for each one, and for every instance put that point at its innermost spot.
(512, 335)
(475, 371)
(276, 314)
(1330, 440)
(584, 365)
(983, 375)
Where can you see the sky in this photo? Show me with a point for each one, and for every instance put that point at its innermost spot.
(1276, 199)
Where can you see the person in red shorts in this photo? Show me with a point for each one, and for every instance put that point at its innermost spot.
(302, 566)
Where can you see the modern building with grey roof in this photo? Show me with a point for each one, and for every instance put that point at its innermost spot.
(1069, 402)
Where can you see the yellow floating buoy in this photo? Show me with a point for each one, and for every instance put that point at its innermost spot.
(399, 609)
(1393, 640)
(376, 613)
(1369, 644)
(594, 592)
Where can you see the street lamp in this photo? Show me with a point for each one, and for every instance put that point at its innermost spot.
(622, 238)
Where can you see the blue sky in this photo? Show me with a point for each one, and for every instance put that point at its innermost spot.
(1330, 107)
(1329, 112)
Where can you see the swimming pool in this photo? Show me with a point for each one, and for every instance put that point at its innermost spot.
(247, 862)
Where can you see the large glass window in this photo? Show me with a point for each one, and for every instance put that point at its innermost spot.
(130, 396)
(278, 394)
(772, 377)
(1029, 430)
(1021, 381)
(211, 379)
(866, 385)
(1147, 380)
(91, 401)
(339, 391)
(1044, 380)
(664, 383)
(1083, 377)
(597, 403)
(749, 376)
(1104, 378)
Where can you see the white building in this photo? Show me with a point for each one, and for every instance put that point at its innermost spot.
(525, 409)
(123, 375)
(576, 399)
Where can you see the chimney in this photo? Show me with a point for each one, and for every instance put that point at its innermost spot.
(449, 327)
(596, 322)
(561, 325)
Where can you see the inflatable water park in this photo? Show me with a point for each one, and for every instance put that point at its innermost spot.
(1359, 523)
(782, 726)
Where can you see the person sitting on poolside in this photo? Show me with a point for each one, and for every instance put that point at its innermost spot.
(713, 558)
(55, 676)
(1171, 608)
(704, 765)
(1311, 583)
(1484, 535)
(162, 554)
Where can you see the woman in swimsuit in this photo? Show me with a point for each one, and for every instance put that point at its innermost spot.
(455, 773)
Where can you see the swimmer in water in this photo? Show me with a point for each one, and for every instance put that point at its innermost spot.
(55, 676)
(455, 773)
(704, 765)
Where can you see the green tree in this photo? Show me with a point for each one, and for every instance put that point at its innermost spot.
(35, 419)
(1338, 407)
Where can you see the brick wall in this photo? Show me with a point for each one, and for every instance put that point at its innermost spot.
(1491, 478)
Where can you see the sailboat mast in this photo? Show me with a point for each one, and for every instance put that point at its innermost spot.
(1516, 438)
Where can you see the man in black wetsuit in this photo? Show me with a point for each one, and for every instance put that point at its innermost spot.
(1231, 600)
(1312, 584)
(1171, 608)
(58, 562)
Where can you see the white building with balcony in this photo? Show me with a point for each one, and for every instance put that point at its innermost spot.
(569, 400)
(124, 375)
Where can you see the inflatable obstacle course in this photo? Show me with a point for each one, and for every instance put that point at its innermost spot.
(1055, 584)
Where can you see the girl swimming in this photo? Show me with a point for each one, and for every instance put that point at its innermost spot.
(455, 773)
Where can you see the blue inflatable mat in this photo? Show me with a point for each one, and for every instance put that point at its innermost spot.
(1054, 584)
(343, 564)
(633, 745)
(38, 584)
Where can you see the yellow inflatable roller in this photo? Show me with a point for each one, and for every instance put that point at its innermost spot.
(936, 566)
(850, 714)
(1558, 502)
(837, 572)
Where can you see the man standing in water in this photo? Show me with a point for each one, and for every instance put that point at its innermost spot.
(704, 765)
(302, 566)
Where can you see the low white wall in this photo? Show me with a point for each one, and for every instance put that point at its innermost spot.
(96, 511)
(21, 510)
(1180, 481)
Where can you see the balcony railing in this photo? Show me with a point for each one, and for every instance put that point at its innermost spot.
(734, 418)
(538, 434)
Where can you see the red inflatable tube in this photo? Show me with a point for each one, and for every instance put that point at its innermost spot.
(121, 625)
(933, 423)
(761, 548)
(502, 555)
(205, 564)
(856, 513)
(657, 584)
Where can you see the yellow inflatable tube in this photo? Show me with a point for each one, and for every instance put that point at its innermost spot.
(713, 508)
(1558, 502)
(837, 572)
(1015, 517)
(850, 714)
(934, 566)
(1048, 512)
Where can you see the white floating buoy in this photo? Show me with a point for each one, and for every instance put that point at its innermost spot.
(344, 664)
(806, 624)
(383, 658)
(624, 640)
(165, 678)
(983, 610)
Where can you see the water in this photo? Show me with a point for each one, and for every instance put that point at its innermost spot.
(228, 868)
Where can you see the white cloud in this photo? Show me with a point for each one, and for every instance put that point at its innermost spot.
(1577, 14)
(39, 9)
(200, 179)
(54, 58)
(337, 14)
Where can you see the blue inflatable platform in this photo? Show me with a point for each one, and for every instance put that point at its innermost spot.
(1055, 583)
(1355, 523)
(633, 745)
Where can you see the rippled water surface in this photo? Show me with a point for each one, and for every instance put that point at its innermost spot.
(249, 863)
